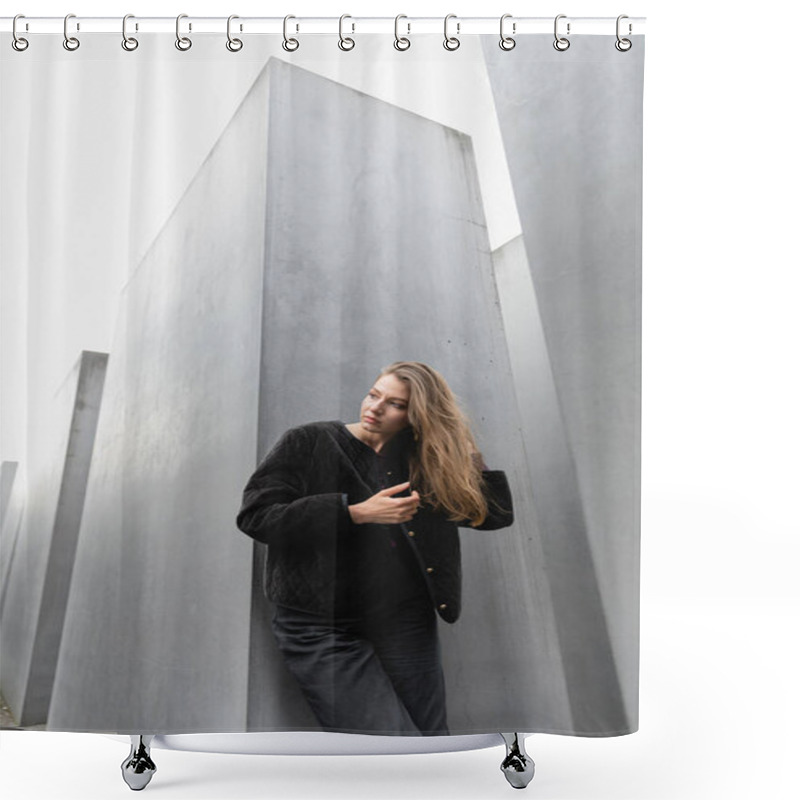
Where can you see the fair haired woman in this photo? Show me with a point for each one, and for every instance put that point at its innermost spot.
(361, 522)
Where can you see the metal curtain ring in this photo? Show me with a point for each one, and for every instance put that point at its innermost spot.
(18, 42)
(234, 45)
(451, 42)
(507, 42)
(345, 42)
(623, 45)
(181, 42)
(401, 42)
(290, 45)
(128, 42)
(561, 43)
(70, 42)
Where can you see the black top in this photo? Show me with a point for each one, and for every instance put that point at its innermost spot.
(377, 571)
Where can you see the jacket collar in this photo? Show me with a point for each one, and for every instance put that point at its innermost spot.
(400, 445)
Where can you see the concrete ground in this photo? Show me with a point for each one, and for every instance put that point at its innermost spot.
(6, 717)
(7, 721)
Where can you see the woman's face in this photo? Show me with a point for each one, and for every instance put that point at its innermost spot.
(384, 411)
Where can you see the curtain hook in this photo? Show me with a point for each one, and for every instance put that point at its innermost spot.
(129, 43)
(182, 42)
(234, 45)
(623, 45)
(70, 42)
(507, 42)
(561, 43)
(451, 42)
(18, 42)
(290, 45)
(401, 42)
(346, 42)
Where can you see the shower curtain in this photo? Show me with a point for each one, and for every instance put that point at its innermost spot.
(205, 248)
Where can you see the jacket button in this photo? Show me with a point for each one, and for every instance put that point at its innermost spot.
(429, 570)
(443, 606)
(411, 533)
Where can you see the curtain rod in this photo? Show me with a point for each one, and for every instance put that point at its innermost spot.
(327, 25)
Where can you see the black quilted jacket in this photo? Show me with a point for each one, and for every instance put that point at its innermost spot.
(296, 503)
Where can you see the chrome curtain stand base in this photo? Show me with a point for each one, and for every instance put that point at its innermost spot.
(517, 766)
(138, 768)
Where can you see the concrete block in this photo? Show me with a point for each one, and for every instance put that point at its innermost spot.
(8, 471)
(573, 141)
(39, 570)
(157, 632)
(377, 250)
(13, 499)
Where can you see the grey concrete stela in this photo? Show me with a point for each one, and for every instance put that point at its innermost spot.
(42, 541)
(573, 143)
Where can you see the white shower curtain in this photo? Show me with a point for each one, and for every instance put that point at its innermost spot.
(204, 249)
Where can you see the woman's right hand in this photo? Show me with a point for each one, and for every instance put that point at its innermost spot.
(385, 509)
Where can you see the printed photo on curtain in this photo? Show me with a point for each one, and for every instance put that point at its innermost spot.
(321, 380)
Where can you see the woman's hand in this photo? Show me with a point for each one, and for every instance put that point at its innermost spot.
(385, 509)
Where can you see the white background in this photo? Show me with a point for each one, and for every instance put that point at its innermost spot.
(720, 531)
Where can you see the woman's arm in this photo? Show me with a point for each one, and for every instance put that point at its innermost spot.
(275, 506)
(498, 499)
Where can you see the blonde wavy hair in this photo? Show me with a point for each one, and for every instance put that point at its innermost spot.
(442, 468)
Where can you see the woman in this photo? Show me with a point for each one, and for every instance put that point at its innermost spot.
(361, 520)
